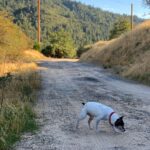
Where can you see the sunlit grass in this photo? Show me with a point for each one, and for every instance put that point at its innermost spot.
(129, 55)
(19, 82)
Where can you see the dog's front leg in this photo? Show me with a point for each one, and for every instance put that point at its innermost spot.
(97, 123)
(81, 117)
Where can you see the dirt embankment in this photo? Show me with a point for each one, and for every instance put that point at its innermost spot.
(65, 86)
(129, 55)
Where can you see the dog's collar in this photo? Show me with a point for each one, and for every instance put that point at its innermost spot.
(110, 118)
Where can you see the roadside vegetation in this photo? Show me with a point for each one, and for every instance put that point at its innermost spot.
(19, 82)
(60, 45)
(128, 55)
(120, 27)
(17, 95)
(83, 49)
(92, 51)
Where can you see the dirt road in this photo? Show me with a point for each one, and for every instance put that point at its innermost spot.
(65, 86)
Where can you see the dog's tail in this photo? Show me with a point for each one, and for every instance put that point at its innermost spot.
(83, 104)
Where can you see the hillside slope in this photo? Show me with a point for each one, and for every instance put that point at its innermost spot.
(12, 39)
(15, 52)
(19, 81)
(92, 51)
(85, 23)
(128, 55)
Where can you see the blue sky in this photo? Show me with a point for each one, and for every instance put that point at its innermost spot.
(120, 6)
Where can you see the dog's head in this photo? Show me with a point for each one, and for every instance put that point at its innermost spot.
(119, 124)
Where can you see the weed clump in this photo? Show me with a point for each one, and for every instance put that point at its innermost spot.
(17, 96)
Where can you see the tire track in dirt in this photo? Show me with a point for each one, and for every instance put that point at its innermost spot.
(65, 86)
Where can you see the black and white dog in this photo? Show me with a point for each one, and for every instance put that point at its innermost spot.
(101, 112)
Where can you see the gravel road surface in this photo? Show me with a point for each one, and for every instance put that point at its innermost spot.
(65, 85)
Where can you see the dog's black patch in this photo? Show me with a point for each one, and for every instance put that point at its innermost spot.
(83, 103)
(120, 124)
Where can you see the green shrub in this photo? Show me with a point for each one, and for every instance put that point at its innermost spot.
(47, 51)
(14, 119)
(61, 45)
(16, 109)
(120, 27)
(83, 50)
(36, 46)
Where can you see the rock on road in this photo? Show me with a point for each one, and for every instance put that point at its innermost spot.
(65, 85)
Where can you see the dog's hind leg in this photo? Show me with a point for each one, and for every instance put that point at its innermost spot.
(90, 119)
(82, 116)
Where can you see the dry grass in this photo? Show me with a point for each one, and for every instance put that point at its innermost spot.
(17, 94)
(16, 67)
(100, 44)
(31, 54)
(19, 82)
(23, 63)
(129, 55)
(89, 56)
(12, 38)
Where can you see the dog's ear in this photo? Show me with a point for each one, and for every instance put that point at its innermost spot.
(83, 104)
(122, 117)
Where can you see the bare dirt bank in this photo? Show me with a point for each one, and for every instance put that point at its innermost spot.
(65, 86)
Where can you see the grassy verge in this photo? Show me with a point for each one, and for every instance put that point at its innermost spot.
(17, 96)
(128, 55)
(19, 82)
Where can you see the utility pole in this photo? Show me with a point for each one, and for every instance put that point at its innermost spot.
(131, 16)
(39, 22)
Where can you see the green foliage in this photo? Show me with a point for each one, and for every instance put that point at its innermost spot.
(36, 46)
(120, 27)
(85, 23)
(83, 49)
(61, 45)
(12, 40)
(16, 110)
(11, 36)
(14, 119)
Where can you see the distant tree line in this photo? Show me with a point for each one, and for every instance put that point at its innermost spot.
(85, 24)
(147, 2)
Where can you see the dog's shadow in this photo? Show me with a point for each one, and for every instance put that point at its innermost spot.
(105, 130)
(84, 131)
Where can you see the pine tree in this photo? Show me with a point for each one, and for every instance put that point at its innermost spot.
(120, 27)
